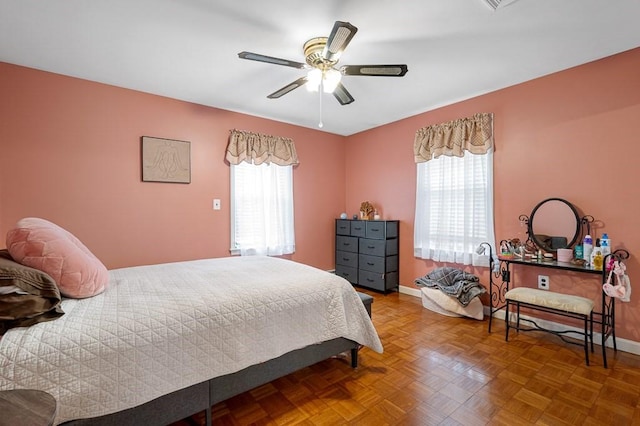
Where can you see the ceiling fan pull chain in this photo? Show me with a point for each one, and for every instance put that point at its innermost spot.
(320, 93)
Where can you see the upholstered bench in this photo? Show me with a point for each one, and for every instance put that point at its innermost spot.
(555, 303)
(367, 301)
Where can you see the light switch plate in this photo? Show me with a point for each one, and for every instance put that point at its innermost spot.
(216, 204)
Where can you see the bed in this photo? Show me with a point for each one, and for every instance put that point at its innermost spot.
(163, 342)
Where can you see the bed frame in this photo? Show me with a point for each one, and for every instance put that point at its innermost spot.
(184, 403)
(200, 397)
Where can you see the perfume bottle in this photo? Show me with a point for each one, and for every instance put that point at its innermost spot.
(597, 259)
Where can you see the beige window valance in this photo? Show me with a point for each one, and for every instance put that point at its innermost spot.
(473, 134)
(257, 148)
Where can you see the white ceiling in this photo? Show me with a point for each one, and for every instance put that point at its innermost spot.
(187, 49)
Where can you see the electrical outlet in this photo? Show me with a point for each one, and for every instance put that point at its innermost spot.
(543, 282)
(216, 204)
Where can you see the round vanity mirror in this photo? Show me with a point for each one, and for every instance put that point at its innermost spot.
(554, 224)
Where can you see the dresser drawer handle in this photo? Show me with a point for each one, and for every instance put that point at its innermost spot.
(346, 259)
(357, 228)
(370, 263)
(371, 247)
(370, 280)
(346, 244)
(375, 230)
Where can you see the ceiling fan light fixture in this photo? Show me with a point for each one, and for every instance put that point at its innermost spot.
(313, 80)
(330, 80)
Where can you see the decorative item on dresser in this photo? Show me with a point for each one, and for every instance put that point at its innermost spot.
(366, 210)
(367, 253)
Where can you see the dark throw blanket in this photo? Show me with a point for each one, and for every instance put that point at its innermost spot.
(27, 296)
(454, 282)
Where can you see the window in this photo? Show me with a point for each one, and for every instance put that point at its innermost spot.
(454, 207)
(262, 209)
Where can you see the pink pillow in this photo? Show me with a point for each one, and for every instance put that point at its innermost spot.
(43, 245)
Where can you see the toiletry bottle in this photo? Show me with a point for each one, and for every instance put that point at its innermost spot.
(597, 259)
(578, 252)
(587, 248)
(605, 244)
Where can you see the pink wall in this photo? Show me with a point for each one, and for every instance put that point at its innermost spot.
(569, 135)
(70, 152)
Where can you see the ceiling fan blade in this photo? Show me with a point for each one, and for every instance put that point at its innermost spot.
(288, 88)
(271, 60)
(338, 40)
(342, 95)
(375, 70)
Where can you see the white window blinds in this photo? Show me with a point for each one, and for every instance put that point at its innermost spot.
(454, 207)
(262, 209)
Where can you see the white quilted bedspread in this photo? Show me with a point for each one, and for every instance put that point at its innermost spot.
(160, 328)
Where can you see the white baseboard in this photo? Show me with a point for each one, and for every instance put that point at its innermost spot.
(624, 345)
(410, 291)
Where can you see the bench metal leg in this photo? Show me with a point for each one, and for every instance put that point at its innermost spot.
(587, 332)
(506, 323)
(586, 339)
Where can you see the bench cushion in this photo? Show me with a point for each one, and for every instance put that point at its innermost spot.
(548, 299)
(367, 300)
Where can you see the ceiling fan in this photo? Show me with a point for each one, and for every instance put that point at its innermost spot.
(321, 56)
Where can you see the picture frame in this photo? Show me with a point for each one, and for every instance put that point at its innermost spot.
(165, 160)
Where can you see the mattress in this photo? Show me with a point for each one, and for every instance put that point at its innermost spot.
(160, 328)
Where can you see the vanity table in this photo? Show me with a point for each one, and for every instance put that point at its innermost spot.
(546, 234)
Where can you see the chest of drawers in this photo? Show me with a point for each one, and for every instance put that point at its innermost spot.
(367, 253)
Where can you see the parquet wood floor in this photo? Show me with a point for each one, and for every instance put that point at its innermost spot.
(437, 370)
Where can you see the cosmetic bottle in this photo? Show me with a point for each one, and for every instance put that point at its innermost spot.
(597, 257)
(577, 253)
(605, 244)
(587, 248)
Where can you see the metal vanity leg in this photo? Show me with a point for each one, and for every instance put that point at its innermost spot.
(591, 331)
(604, 319)
(506, 322)
(613, 325)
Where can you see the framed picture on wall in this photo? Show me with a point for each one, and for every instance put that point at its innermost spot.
(166, 160)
